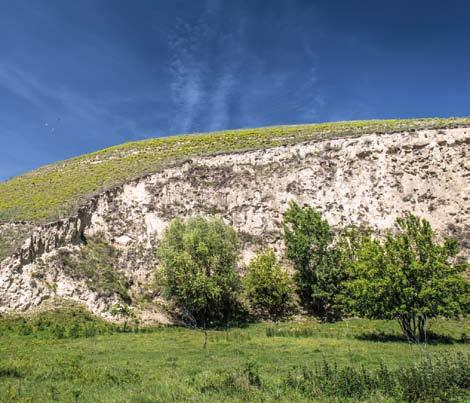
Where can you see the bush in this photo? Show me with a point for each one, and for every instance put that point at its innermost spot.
(318, 272)
(243, 381)
(58, 323)
(408, 276)
(198, 261)
(435, 379)
(269, 288)
(124, 312)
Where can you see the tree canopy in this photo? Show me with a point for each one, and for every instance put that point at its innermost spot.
(309, 245)
(198, 259)
(408, 276)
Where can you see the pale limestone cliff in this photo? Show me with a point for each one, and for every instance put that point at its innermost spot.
(362, 181)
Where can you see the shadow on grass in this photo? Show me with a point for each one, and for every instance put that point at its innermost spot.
(10, 372)
(432, 338)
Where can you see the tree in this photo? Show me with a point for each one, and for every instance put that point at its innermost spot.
(309, 245)
(408, 276)
(123, 311)
(198, 261)
(269, 288)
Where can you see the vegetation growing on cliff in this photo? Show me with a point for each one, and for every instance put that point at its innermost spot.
(64, 321)
(96, 263)
(11, 237)
(56, 190)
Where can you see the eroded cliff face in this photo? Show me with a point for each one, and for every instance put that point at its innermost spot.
(363, 181)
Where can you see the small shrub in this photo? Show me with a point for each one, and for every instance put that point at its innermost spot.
(25, 329)
(58, 331)
(269, 288)
(74, 330)
(90, 331)
(438, 380)
(125, 312)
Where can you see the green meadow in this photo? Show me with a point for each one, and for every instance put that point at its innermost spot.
(262, 362)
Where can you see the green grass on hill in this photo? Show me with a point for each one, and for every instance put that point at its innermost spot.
(11, 237)
(56, 190)
(262, 362)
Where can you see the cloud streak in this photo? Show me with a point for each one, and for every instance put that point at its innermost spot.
(187, 69)
(223, 71)
(59, 103)
(29, 87)
(205, 60)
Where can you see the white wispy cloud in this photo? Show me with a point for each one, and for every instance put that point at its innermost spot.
(219, 69)
(187, 69)
(186, 90)
(213, 6)
(205, 57)
(220, 108)
(55, 102)
(41, 94)
(21, 84)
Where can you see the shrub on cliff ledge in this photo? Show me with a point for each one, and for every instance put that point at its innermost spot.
(268, 287)
(198, 260)
(97, 264)
(408, 276)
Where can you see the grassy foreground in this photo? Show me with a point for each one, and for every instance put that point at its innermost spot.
(262, 362)
(56, 190)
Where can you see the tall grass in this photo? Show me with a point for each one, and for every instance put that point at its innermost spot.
(438, 379)
(239, 364)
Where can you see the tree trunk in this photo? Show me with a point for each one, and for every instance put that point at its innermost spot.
(205, 335)
(422, 328)
(406, 325)
(413, 327)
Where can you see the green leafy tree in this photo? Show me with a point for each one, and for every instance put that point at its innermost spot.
(309, 245)
(408, 276)
(198, 261)
(268, 287)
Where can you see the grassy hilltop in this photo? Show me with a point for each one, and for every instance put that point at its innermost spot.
(56, 190)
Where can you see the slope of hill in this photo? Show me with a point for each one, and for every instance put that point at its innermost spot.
(104, 253)
(56, 190)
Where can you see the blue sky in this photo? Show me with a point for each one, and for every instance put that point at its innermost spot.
(76, 76)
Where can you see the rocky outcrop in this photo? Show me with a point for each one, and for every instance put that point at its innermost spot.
(362, 181)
